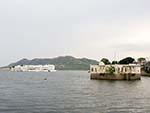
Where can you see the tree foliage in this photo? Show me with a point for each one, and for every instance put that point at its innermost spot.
(141, 59)
(147, 67)
(114, 62)
(110, 70)
(105, 61)
(127, 60)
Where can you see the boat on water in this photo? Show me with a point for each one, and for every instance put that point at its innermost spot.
(34, 68)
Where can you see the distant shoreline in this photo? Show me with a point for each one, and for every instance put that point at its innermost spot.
(8, 69)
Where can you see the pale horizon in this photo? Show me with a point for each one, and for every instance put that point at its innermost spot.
(83, 28)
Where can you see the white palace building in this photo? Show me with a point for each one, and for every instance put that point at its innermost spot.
(34, 68)
(116, 72)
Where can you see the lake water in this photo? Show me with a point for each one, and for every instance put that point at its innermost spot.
(71, 92)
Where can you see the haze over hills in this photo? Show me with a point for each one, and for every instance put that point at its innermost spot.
(61, 63)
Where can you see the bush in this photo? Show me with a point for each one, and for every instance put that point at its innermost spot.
(110, 70)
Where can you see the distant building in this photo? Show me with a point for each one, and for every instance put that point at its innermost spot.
(35, 68)
(146, 68)
(116, 72)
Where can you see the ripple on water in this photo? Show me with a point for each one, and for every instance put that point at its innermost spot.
(71, 92)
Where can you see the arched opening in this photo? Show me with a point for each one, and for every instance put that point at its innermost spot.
(92, 69)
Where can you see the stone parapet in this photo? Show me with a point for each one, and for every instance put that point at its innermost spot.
(98, 76)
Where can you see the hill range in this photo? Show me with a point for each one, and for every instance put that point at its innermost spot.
(61, 63)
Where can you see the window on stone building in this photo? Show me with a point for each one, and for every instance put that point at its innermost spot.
(125, 70)
(95, 69)
(92, 69)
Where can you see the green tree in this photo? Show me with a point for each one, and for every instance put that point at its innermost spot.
(127, 60)
(147, 67)
(141, 60)
(114, 62)
(110, 70)
(105, 61)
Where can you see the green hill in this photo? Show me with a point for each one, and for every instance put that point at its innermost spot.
(61, 63)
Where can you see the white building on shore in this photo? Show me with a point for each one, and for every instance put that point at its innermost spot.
(34, 68)
(118, 69)
(116, 72)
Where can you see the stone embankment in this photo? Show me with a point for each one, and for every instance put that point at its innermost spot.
(97, 76)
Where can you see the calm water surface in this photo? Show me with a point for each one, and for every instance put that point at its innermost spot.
(71, 92)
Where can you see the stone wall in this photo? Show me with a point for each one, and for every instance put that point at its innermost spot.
(115, 76)
(119, 69)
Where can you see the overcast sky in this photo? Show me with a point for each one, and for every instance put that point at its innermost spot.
(81, 28)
